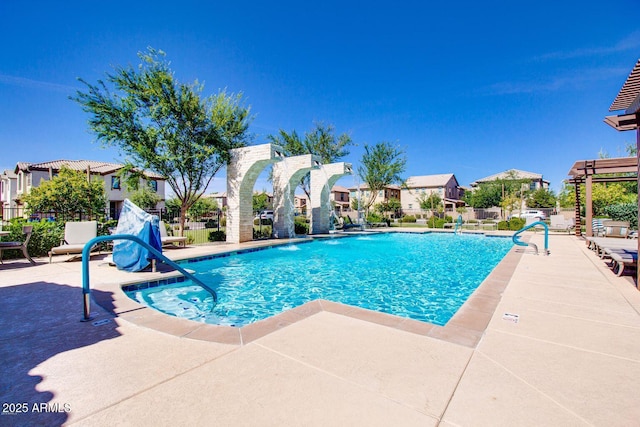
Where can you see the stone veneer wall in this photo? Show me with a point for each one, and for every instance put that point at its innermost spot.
(322, 180)
(242, 172)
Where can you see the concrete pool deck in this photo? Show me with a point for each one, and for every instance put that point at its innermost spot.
(572, 357)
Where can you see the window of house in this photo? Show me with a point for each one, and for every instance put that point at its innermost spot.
(532, 186)
(115, 183)
(20, 178)
(29, 180)
(154, 185)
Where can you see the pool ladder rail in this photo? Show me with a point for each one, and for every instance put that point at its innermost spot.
(458, 224)
(86, 291)
(517, 241)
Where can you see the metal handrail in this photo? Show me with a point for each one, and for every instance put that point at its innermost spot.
(86, 291)
(458, 223)
(519, 242)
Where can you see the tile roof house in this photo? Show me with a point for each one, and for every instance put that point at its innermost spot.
(537, 180)
(445, 185)
(30, 175)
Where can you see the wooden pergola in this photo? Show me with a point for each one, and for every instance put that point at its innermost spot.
(628, 99)
(588, 172)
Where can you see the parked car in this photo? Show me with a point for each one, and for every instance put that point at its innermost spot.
(539, 215)
(265, 215)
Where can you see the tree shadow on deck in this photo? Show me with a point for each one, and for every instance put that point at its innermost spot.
(38, 321)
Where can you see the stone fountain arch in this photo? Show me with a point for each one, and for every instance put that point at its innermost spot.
(322, 180)
(243, 170)
(286, 177)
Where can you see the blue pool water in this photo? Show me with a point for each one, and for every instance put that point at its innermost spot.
(426, 277)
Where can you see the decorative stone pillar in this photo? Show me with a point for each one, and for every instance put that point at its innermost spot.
(286, 177)
(243, 170)
(322, 180)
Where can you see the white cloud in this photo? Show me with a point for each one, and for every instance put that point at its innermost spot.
(34, 84)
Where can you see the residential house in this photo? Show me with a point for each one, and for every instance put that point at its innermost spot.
(340, 199)
(300, 204)
(219, 197)
(363, 193)
(8, 188)
(444, 185)
(31, 175)
(536, 179)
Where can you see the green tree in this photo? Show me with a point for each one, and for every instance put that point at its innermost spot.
(202, 207)
(541, 198)
(429, 201)
(320, 141)
(260, 201)
(486, 195)
(392, 206)
(602, 195)
(145, 197)
(68, 193)
(165, 126)
(381, 166)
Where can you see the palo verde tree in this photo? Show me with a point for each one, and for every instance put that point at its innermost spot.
(381, 165)
(68, 193)
(165, 126)
(320, 141)
(430, 201)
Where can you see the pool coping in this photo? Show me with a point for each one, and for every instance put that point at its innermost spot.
(465, 328)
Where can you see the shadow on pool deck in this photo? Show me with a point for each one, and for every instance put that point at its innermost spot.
(40, 320)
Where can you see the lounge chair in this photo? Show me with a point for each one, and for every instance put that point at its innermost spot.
(7, 246)
(621, 258)
(76, 235)
(619, 229)
(170, 240)
(560, 223)
(600, 244)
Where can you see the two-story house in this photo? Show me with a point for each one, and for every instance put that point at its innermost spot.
(417, 187)
(536, 180)
(31, 175)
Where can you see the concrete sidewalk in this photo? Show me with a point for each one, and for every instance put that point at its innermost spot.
(572, 358)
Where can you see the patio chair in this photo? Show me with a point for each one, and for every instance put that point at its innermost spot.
(618, 229)
(76, 235)
(559, 222)
(170, 240)
(7, 246)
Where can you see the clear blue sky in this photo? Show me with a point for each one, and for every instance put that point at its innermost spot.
(470, 88)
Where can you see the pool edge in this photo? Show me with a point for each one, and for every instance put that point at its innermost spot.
(465, 328)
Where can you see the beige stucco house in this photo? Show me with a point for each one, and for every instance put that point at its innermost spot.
(536, 179)
(444, 185)
(31, 175)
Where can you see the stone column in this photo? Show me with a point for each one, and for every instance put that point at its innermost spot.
(322, 180)
(286, 177)
(243, 170)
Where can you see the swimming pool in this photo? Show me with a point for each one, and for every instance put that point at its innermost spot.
(425, 277)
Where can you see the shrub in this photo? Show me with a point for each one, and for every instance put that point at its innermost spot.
(223, 221)
(373, 217)
(623, 212)
(300, 225)
(516, 224)
(265, 233)
(435, 222)
(45, 235)
(217, 236)
(408, 218)
(264, 221)
(503, 225)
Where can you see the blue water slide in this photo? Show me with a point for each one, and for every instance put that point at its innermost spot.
(86, 291)
(517, 241)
